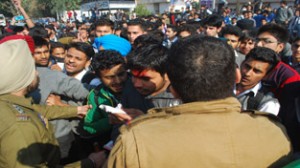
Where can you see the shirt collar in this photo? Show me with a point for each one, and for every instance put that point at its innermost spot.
(230, 104)
(80, 75)
(255, 89)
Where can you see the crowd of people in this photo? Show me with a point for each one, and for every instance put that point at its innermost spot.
(197, 90)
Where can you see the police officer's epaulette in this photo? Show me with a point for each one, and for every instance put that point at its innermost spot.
(154, 113)
(261, 113)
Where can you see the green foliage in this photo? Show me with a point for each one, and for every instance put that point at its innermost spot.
(141, 10)
(40, 8)
(6, 8)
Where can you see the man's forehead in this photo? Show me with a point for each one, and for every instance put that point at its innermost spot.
(139, 72)
(266, 35)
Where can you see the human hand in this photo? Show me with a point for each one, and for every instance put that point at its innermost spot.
(82, 110)
(98, 158)
(117, 118)
(17, 3)
(56, 67)
(54, 100)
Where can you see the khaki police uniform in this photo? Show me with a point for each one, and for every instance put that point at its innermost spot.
(26, 138)
(201, 134)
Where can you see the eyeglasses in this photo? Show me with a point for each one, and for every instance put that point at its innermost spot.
(265, 41)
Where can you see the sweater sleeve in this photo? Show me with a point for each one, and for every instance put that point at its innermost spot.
(56, 112)
(96, 120)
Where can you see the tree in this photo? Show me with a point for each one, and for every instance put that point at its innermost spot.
(141, 10)
(7, 8)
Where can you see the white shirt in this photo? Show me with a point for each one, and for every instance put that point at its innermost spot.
(269, 107)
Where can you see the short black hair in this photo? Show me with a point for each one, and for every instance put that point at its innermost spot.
(232, 30)
(144, 40)
(55, 45)
(40, 42)
(248, 35)
(106, 59)
(38, 31)
(189, 28)
(213, 20)
(276, 30)
(105, 22)
(138, 22)
(151, 56)
(83, 47)
(173, 27)
(201, 68)
(265, 55)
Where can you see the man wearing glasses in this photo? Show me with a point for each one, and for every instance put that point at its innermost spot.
(283, 81)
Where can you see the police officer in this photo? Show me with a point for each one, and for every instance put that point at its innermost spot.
(26, 138)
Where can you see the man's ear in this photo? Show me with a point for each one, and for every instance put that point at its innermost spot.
(87, 64)
(238, 75)
(280, 47)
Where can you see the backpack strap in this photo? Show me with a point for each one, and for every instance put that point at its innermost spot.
(254, 101)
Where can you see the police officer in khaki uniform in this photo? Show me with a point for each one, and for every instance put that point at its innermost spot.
(208, 129)
(26, 138)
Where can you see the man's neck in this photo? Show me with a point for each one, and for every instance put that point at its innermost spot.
(164, 88)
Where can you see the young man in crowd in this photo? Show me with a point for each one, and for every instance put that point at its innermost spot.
(283, 80)
(171, 34)
(77, 61)
(249, 91)
(110, 67)
(294, 59)
(202, 75)
(135, 28)
(103, 27)
(232, 34)
(149, 86)
(213, 25)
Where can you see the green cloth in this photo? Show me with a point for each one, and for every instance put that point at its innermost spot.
(294, 164)
(96, 120)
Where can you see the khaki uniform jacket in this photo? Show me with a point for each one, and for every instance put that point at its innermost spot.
(26, 138)
(201, 134)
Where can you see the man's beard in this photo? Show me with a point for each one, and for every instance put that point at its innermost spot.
(33, 86)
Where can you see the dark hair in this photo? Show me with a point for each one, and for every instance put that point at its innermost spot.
(105, 22)
(106, 59)
(40, 42)
(232, 30)
(83, 47)
(55, 45)
(138, 22)
(38, 31)
(296, 39)
(248, 35)
(152, 56)
(189, 28)
(276, 30)
(144, 40)
(201, 68)
(50, 26)
(213, 20)
(265, 55)
(173, 27)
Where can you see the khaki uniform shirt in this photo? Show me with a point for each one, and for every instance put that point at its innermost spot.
(26, 138)
(201, 134)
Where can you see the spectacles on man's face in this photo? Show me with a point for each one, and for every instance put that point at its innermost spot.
(265, 41)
